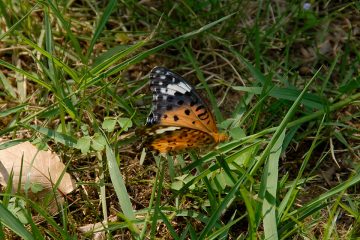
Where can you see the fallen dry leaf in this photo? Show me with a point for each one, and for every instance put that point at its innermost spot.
(34, 168)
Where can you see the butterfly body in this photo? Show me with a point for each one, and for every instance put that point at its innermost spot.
(179, 119)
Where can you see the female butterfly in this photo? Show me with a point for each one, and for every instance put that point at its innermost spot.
(179, 119)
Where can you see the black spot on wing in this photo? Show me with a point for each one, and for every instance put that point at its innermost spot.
(199, 107)
(203, 116)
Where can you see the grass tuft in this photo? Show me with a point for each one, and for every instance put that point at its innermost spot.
(282, 79)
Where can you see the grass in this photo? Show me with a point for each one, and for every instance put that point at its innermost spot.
(282, 81)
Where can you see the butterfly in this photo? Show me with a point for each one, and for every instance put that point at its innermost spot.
(179, 119)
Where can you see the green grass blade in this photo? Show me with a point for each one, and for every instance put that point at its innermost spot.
(150, 207)
(185, 232)
(7, 144)
(49, 42)
(336, 106)
(106, 63)
(281, 127)
(121, 102)
(119, 184)
(222, 233)
(329, 74)
(7, 85)
(100, 25)
(158, 205)
(269, 184)
(286, 203)
(18, 23)
(201, 77)
(198, 216)
(171, 229)
(14, 224)
(56, 136)
(66, 25)
(318, 203)
(4, 13)
(246, 196)
(310, 100)
(26, 74)
(10, 111)
(259, 77)
(208, 171)
(248, 142)
(57, 62)
(49, 219)
(340, 104)
(222, 207)
(138, 58)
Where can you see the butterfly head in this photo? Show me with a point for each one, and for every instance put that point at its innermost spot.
(220, 137)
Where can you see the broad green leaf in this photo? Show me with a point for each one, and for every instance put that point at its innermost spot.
(35, 188)
(125, 123)
(83, 144)
(237, 133)
(109, 124)
(17, 208)
(98, 142)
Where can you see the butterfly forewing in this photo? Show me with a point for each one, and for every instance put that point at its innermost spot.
(175, 102)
